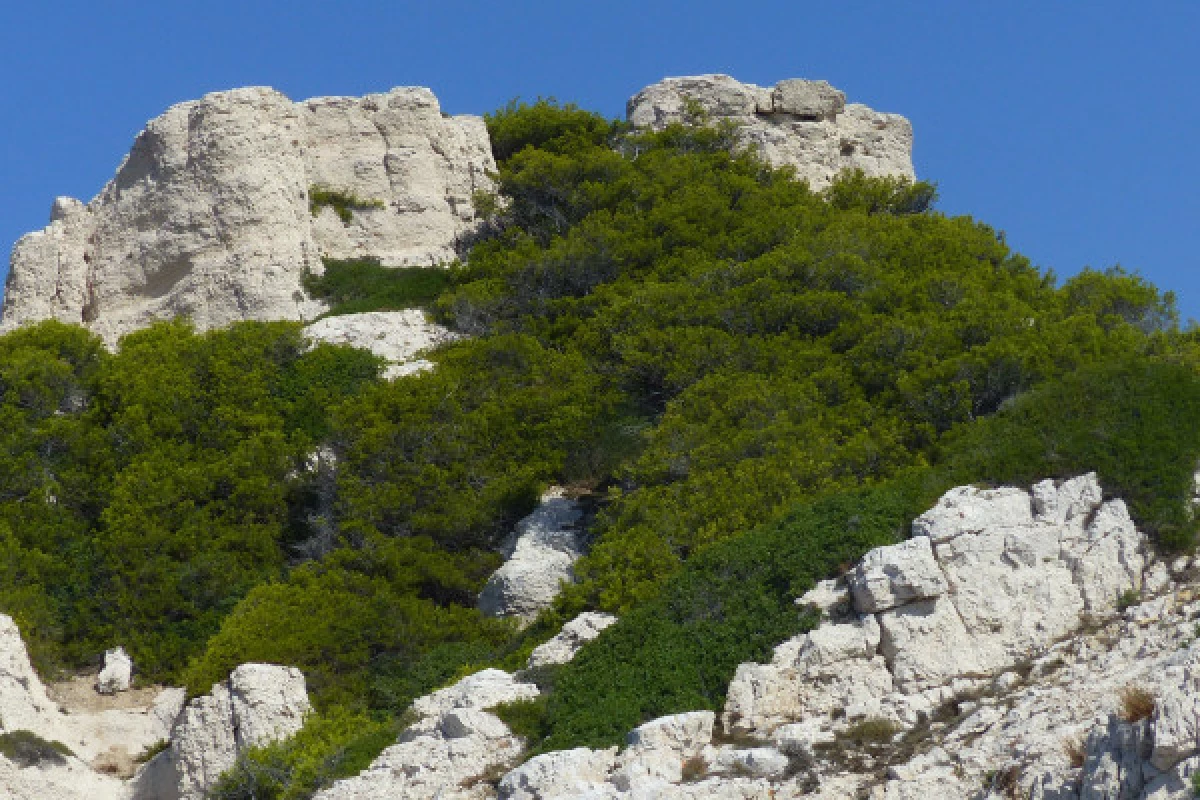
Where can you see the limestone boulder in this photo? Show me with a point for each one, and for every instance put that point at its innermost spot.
(567, 642)
(540, 557)
(890, 576)
(803, 124)
(967, 509)
(117, 672)
(256, 705)
(209, 215)
(561, 774)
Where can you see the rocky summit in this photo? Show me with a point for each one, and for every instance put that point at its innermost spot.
(224, 203)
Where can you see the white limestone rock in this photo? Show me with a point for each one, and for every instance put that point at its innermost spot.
(70, 780)
(1176, 722)
(117, 672)
(574, 635)
(24, 704)
(452, 752)
(208, 216)
(257, 704)
(484, 689)
(540, 556)
(967, 509)
(812, 675)
(399, 337)
(803, 124)
(561, 774)
(890, 576)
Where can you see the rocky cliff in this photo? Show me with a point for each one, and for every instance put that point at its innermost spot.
(225, 202)
(803, 124)
(212, 214)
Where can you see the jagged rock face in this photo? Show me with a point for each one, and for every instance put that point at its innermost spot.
(540, 556)
(399, 337)
(258, 704)
(991, 578)
(209, 214)
(798, 123)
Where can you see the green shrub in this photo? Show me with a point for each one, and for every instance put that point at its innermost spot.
(359, 285)
(343, 203)
(334, 745)
(525, 718)
(27, 749)
(731, 603)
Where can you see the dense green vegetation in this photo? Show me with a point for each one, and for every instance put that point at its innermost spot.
(752, 381)
(359, 285)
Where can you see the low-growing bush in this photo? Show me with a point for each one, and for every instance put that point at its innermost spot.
(355, 286)
(27, 749)
(875, 730)
(731, 603)
(1137, 704)
(333, 745)
(525, 718)
(343, 203)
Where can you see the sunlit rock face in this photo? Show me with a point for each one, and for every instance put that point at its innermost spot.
(799, 123)
(209, 215)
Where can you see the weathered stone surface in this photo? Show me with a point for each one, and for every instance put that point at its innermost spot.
(574, 635)
(24, 704)
(117, 672)
(798, 123)
(562, 774)
(967, 509)
(1176, 724)
(484, 689)
(400, 337)
(257, 704)
(890, 576)
(452, 752)
(208, 217)
(540, 556)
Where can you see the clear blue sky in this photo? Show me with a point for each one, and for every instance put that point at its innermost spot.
(1070, 126)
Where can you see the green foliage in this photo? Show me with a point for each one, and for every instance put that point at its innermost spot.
(359, 285)
(730, 603)
(545, 125)
(343, 203)
(854, 191)
(1129, 420)
(525, 718)
(27, 749)
(355, 619)
(330, 746)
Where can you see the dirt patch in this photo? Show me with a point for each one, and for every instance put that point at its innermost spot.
(77, 696)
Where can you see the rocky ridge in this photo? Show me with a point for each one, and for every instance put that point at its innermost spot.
(799, 123)
(209, 215)
(217, 213)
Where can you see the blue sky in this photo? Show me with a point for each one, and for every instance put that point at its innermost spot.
(1072, 127)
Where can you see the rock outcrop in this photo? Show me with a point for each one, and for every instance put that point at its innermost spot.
(399, 337)
(209, 215)
(117, 672)
(567, 642)
(257, 704)
(798, 123)
(540, 554)
(454, 752)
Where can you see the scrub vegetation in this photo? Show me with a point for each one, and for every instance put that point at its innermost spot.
(753, 382)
